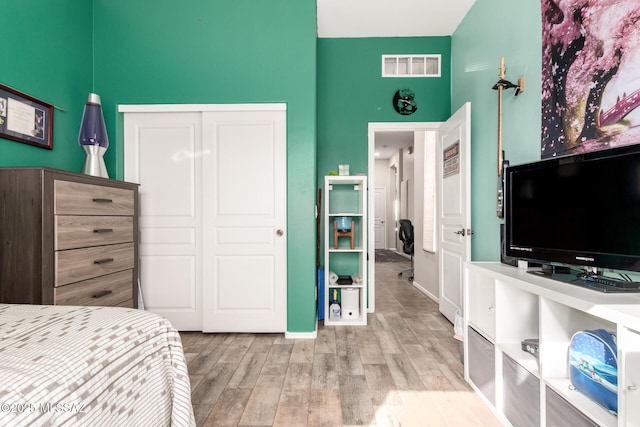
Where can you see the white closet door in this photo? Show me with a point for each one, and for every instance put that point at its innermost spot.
(244, 270)
(163, 153)
(213, 213)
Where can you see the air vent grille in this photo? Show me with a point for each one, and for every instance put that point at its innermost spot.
(411, 65)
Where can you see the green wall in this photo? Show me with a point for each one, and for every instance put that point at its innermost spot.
(491, 29)
(247, 51)
(134, 52)
(353, 93)
(47, 53)
(223, 52)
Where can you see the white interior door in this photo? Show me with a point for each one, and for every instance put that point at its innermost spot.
(244, 287)
(162, 152)
(213, 214)
(454, 165)
(380, 215)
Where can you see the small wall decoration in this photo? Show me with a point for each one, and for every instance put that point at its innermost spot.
(25, 119)
(590, 78)
(404, 103)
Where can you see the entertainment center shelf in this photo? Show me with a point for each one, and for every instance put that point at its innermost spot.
(504, 305)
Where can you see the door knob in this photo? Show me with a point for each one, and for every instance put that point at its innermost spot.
(460, 232)
(280, 232)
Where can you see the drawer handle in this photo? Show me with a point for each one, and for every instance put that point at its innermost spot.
(103, 200)
(103, 261)
(102, 293)
(103, 230)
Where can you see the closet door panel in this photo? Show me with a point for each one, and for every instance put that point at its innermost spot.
(163, 153)
(250, 174)
(245, 284)
(213, 213)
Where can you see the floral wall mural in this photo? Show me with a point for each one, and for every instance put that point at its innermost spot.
(590, 75)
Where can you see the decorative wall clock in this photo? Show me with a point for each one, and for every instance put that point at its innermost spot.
(404, 103)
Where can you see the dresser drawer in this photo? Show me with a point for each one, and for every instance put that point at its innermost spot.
(82, 231)
(111, 290)
(75, 265)
(74, 198)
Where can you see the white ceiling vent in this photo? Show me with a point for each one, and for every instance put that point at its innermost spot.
(411, 65)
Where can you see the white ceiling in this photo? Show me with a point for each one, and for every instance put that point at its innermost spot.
(390, 18)
(388, 143)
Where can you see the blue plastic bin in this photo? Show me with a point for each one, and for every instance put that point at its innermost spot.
(321, 293)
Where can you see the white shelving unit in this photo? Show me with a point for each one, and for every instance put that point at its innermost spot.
(345, 196)
(504, 305)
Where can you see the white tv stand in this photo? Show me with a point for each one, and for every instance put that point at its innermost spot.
(504, 305)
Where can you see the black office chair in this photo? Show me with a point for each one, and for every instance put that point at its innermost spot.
(406, 235)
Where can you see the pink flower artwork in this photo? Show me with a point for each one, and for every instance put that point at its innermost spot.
(590, 75)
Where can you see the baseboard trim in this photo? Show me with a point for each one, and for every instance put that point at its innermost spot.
(424, 291)
(302, 335)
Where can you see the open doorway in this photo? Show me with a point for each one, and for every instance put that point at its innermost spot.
(393, 171)
(394, 164)
(437, 266)
(398, 168)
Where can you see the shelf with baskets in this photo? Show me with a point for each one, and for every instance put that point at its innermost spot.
(345, 250)
(504, 306)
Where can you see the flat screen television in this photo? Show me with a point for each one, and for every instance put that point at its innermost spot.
(580, 210)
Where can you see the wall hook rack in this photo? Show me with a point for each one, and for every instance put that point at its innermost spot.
(500, 86)
(506, 84)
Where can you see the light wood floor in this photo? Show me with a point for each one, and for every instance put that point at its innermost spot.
(402, 369)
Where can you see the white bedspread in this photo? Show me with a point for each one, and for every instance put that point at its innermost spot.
(91, 366)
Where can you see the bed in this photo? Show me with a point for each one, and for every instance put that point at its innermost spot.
(90, 366)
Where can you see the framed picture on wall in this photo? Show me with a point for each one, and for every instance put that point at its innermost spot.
(25, 119)
(590, 80)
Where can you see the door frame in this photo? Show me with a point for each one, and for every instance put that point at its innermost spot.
(385, 222)
(374, 127)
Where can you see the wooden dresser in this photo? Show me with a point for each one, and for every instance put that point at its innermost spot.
(67, 238)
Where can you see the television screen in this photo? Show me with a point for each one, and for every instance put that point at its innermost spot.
(579, 210)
